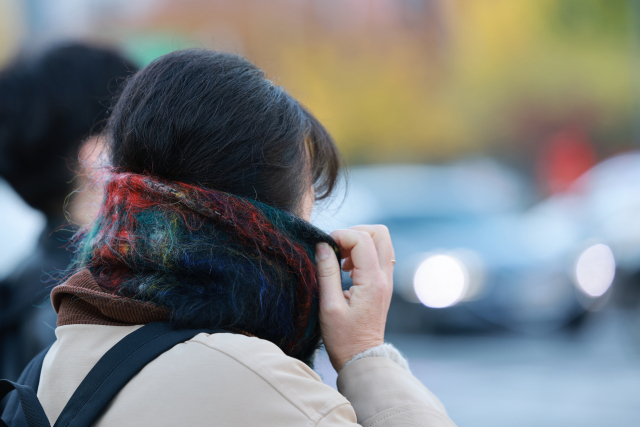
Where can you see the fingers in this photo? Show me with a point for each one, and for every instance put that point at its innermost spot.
(353, 321)
(384, 248)
(332, 299)
(360, 252)
(382, 241)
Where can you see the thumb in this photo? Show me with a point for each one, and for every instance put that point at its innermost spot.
(331, 295)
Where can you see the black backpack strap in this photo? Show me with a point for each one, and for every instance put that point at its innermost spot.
(33, 412)
(30, 377)
(114, 370)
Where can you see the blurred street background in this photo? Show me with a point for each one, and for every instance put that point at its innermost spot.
(499, 140)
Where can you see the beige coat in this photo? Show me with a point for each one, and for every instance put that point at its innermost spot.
(234, 380)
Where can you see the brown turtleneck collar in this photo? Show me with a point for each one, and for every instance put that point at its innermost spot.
(80, 300)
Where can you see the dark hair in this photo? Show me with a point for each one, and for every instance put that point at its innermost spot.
(213, 119)
(48, 104)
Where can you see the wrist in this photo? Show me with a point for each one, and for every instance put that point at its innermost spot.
(344, 357)
(385, 350)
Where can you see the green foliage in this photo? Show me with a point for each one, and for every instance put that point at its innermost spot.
(590, 18)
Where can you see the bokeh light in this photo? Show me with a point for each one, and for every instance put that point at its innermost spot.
(440, 281)
(595, 270)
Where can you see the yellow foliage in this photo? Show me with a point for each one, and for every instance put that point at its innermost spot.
(386, 98)
(421, 80)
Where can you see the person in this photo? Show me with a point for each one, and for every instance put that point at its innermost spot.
(213, 174)
(49, 103)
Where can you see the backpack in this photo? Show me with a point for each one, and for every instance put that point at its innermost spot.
(112, 372)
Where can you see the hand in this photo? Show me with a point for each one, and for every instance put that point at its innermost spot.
(353, 321)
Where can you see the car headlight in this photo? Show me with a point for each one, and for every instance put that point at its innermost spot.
(595, 270)
(440, 281)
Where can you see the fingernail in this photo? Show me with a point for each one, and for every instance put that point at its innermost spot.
(323, 251)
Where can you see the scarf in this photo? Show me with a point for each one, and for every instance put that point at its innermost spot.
(209, 258)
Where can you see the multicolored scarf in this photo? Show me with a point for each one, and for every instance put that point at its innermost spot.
(211, 258)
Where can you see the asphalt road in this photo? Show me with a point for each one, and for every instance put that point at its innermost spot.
(587, 378)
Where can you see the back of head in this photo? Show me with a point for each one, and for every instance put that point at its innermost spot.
(201, 213)
(213, 119)
(48, 104)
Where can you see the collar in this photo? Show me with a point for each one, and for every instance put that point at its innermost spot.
(80, 300)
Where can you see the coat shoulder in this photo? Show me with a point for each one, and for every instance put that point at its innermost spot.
(255, 354)
(243, 379)
(290, 377)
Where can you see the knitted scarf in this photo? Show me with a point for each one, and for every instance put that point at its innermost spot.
(211, 258)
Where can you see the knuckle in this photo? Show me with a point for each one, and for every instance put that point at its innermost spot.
(384, 234)
(380, 282)
(336, 232)
(382, 229)
(328, 271)
(376, 282)
(364, 235)
(331, 308)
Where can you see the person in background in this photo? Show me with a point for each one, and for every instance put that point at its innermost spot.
(49, 104)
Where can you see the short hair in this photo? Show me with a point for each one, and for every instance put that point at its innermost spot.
(212, 119)
(49, 103)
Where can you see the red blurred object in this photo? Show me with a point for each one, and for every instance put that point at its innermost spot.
(565, 156)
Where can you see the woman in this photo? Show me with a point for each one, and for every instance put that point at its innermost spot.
(204, 223)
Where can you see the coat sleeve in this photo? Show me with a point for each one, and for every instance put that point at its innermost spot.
(384, 394)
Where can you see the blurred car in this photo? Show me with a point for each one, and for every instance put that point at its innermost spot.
(608, 202)
(603, 208)
(473, 252)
